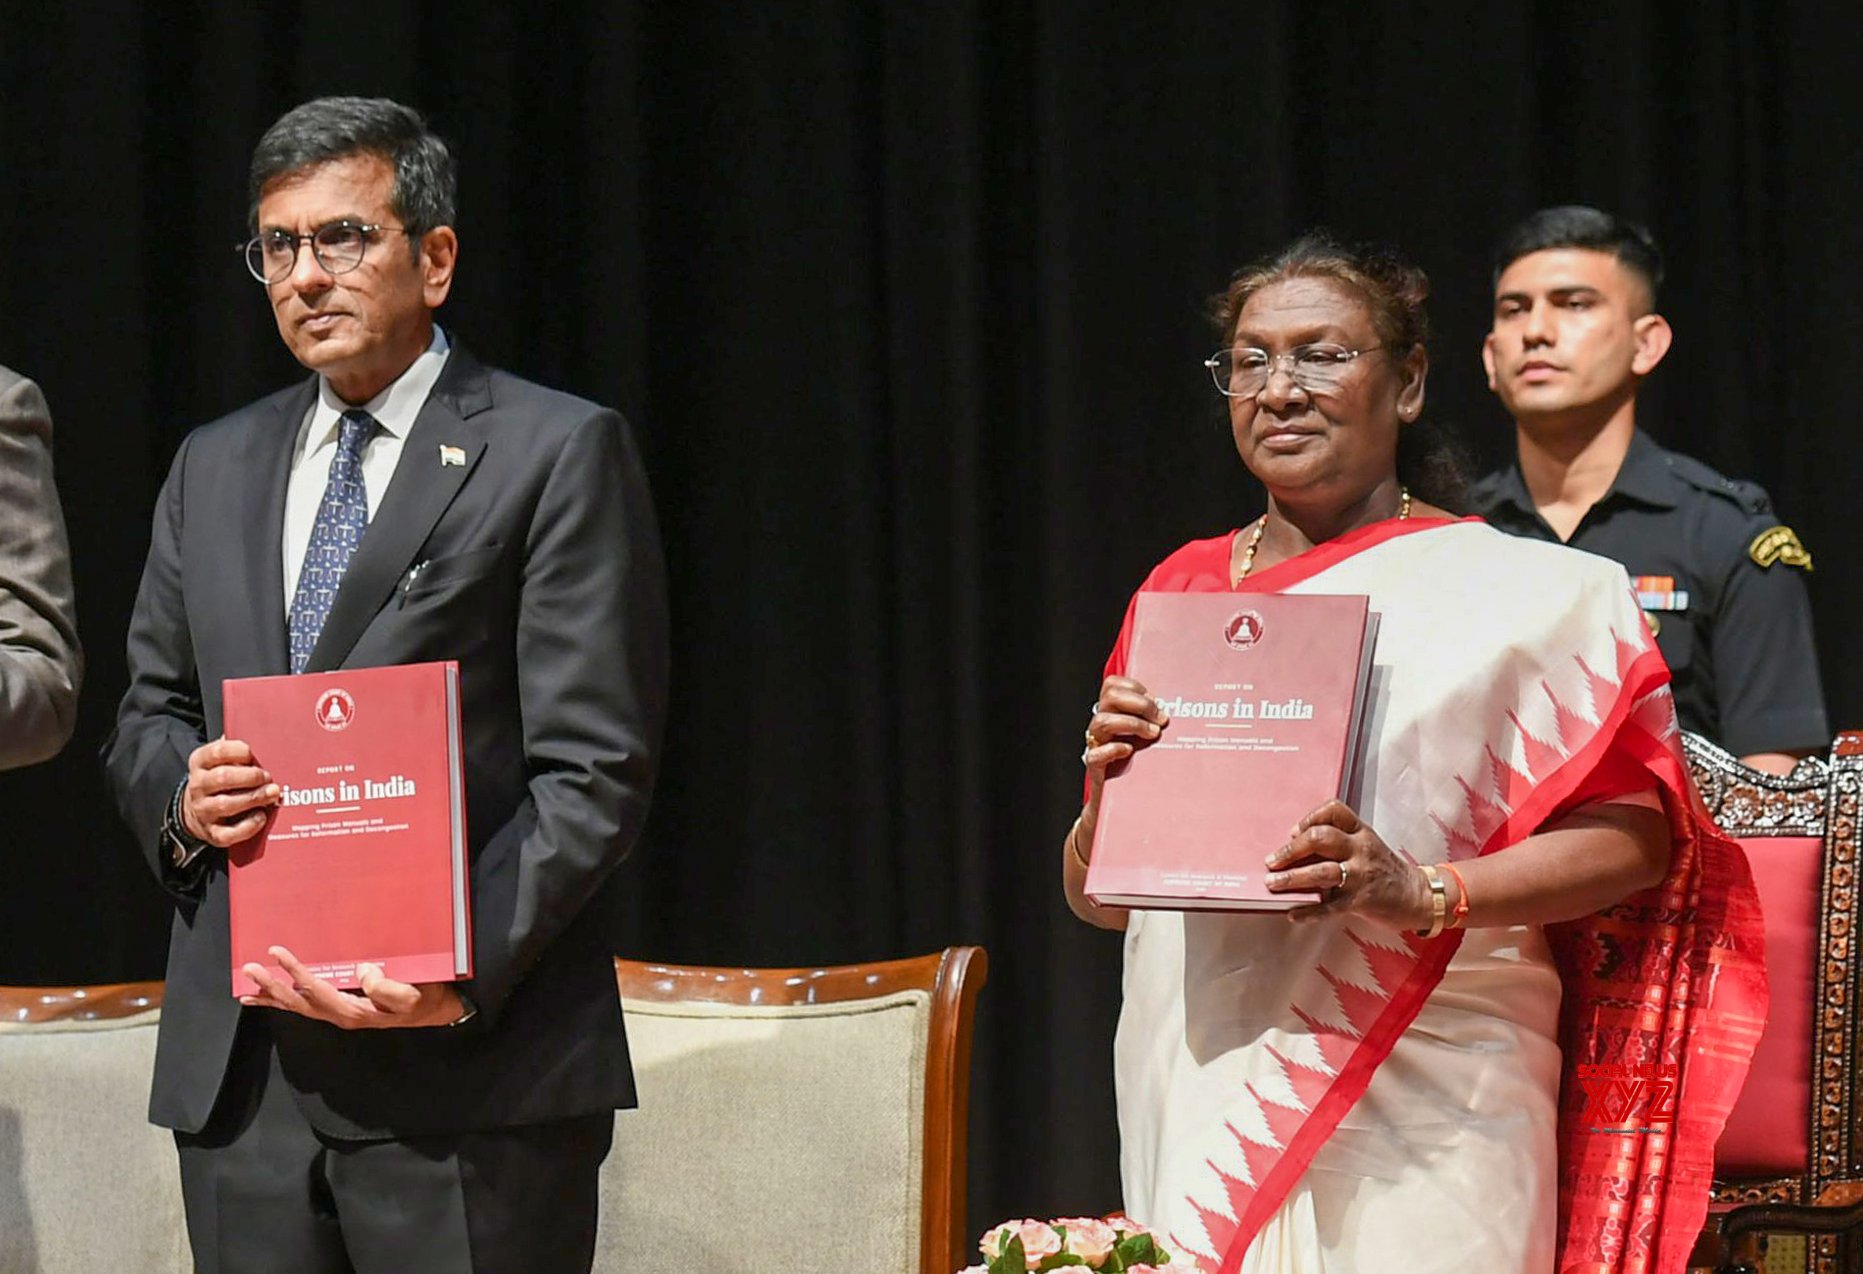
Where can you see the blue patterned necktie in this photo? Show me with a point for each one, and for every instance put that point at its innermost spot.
(341, 517)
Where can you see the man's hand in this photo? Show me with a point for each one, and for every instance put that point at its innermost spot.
(383, 1004)
(227, 795)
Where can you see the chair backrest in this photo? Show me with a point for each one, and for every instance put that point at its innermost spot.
(793, 1119)
(1796, 1132)
(86, 1182)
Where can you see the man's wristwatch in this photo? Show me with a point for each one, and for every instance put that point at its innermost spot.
(470, 1005)
(183, 846)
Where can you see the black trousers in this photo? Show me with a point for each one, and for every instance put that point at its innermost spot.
(265, 1193)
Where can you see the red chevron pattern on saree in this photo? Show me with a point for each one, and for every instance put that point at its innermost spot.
(1370, 991)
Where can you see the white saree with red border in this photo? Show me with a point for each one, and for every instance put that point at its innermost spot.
(1333, 1096)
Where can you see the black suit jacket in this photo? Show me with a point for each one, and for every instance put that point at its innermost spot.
(540, 572)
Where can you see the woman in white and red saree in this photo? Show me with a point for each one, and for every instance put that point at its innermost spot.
(1409, 1078)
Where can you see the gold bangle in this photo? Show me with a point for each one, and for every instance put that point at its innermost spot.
(1073, 844)
(1439, 900)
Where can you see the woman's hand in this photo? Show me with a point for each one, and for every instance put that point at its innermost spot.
(1125, 718)
(1345, 860)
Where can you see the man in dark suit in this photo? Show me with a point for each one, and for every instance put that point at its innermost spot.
(405, 504)
(40, 661)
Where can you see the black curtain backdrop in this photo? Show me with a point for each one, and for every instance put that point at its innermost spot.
(906, 301)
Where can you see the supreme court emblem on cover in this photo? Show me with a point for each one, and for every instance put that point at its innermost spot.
(335, 709)
(1243, 630)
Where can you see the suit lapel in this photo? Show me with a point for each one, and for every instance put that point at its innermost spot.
(267, 455)
(417, 495)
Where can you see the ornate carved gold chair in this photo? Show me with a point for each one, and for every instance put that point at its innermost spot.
(793, 1119)
(1790, 1162)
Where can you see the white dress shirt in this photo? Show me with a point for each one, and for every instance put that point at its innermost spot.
(394, 410)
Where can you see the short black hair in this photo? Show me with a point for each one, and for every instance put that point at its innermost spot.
(1576, 226)
(327, 129)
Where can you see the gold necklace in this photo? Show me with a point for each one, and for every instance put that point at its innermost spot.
(1261, 524)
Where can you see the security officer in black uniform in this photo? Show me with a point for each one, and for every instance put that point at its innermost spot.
(1720, 579)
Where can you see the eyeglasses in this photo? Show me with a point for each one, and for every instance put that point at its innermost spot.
(1318, 369)
(338, 247)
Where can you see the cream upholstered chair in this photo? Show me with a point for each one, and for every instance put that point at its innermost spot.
(793, 1119)
(86, 1183)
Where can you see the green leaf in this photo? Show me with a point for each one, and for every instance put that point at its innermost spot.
(1148, 1252)
(1135, 1249)
(1013, 1259)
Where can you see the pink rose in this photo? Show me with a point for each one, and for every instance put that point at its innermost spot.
(1088, 1238)
(1039, 1240)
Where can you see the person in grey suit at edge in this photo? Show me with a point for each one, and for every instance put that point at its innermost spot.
(41, 662)
(405, 503)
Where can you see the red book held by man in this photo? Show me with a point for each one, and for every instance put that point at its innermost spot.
(1266, 694)
(364, 860)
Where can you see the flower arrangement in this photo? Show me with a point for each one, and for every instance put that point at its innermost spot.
(1116, 1245)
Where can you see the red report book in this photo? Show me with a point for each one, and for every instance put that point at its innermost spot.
(364, 860)
(1266, 693)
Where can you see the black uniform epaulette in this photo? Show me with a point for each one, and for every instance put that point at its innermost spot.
(1749, 496)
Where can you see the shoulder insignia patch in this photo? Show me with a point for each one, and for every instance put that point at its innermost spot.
(1779, 544)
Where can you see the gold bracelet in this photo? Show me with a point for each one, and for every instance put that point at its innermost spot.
(1073, 844)
(1458, 919)
(1439, 900)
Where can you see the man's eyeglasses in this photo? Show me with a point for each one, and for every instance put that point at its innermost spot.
(1318, 369)
(338, 248)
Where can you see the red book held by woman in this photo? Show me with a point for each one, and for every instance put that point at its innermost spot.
(1266, 693)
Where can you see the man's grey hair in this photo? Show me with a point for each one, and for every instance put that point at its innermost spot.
(426, 188)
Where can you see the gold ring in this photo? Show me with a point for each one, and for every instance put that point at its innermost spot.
(1343, 874)
(1091, 741)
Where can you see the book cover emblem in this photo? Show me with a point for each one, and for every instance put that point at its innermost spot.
(335, 709)
(1243, 630)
